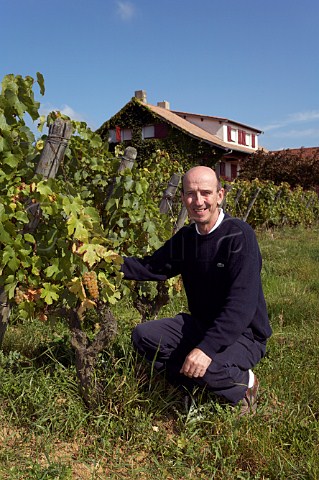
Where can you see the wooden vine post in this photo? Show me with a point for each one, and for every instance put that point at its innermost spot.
(166, 202)
(127, 161)
(251, 204)
(54, 148)
(169, 194)
(4, 314)
(181, 219)
(52, 154)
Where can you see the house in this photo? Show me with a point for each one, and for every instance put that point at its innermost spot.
(203, 139)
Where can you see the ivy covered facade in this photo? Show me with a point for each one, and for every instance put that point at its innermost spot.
(137, 125)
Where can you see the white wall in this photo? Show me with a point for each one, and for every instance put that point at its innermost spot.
(216, 127)
(207, 124)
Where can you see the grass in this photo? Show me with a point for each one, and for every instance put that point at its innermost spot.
(143, 430)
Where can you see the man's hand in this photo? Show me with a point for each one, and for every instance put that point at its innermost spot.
(196, 364)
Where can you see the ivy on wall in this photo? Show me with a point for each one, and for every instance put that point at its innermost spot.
(178, 144)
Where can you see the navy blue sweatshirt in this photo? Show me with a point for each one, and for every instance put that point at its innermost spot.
(221, 276)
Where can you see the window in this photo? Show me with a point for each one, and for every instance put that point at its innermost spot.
(231, 134)
(148, 131)
(118, 134)
(112, 136)
(126, 134)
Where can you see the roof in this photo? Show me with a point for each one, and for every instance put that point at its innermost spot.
(220, 119)
(193, 130)
(303, 151)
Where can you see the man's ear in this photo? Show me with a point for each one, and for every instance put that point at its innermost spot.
(220, 196)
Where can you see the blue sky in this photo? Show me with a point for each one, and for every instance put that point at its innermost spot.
(252, 61)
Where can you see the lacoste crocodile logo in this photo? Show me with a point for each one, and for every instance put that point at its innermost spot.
(220, 265)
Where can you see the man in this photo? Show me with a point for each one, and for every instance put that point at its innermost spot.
(224, 336)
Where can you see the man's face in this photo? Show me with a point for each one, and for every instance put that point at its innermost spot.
(201, 198)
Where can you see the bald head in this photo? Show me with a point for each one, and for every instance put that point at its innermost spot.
(199, 173)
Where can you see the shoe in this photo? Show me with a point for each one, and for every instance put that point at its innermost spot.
(249, 402)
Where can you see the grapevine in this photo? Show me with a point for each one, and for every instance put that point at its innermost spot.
(276, 205)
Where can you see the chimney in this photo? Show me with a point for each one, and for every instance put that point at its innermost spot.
(141, 95)
(164, 104)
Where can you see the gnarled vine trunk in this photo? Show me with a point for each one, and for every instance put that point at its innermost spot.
(87, 351)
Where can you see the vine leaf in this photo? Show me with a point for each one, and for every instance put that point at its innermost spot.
(49, 293)
(40, 80)
(85, 305)
(76, 287)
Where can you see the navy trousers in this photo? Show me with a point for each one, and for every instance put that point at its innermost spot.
(168, 341)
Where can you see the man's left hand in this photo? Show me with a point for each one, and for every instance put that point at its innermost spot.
(196, 364)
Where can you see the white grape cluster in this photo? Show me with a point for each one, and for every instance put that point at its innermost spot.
(90, 281)
(19, 296)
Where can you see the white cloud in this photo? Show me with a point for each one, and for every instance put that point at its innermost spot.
(65, 109)
(309, 133)
(272, 126)
(304, 116)
(125, 10)
(299, 117)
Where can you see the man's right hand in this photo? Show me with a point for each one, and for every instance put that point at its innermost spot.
(196, 364)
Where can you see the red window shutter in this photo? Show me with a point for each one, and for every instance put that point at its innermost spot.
(243, 138)
(118, 134)
(222, 169)
(229, 133)
(160, 131)
(253, 141)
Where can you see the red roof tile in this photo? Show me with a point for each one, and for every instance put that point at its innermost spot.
(303, 151)
(194, 130)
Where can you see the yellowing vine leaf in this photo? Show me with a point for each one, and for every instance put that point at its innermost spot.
(76, 287)
(94, 253)
(71, 222)
(85, 305)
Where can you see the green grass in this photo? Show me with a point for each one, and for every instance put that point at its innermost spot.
(142, 430)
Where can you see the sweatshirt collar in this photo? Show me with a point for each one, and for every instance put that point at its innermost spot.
(219, 221)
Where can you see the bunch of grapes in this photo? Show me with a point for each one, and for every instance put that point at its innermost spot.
(90, 281)
(178, 285)
(19, 296)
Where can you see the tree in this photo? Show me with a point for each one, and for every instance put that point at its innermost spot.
(296, 168)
